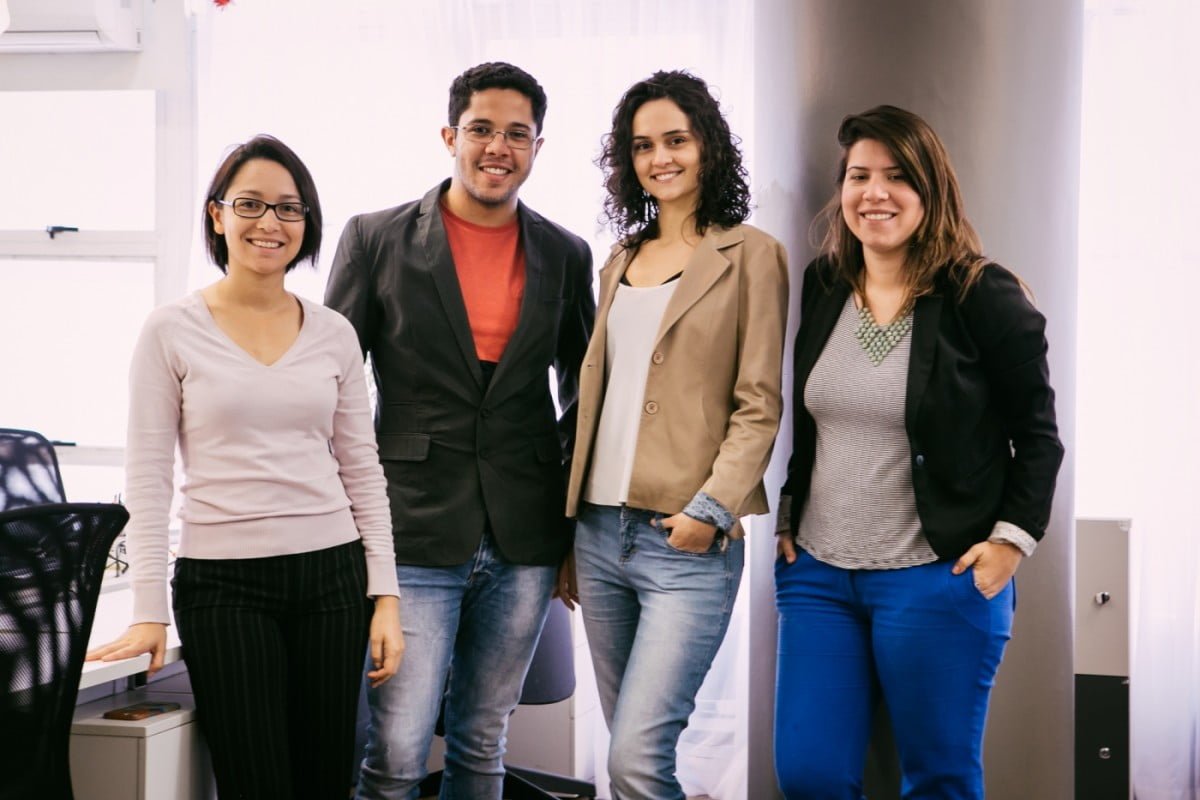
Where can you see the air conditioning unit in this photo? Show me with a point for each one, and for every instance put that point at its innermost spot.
(72, 26)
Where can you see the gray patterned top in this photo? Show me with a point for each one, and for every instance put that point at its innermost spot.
(861, 512)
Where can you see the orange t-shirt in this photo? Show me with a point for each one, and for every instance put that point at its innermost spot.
(491, 272)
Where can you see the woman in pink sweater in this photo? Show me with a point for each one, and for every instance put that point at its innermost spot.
(286, 532)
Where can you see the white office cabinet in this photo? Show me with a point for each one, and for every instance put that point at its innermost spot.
(158, 758)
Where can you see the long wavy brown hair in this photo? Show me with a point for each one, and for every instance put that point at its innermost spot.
(945, 239)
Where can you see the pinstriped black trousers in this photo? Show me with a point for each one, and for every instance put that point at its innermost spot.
(274, 647)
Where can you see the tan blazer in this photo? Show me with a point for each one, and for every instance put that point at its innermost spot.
(713, 399)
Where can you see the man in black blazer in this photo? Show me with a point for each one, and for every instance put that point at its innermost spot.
(463, 300)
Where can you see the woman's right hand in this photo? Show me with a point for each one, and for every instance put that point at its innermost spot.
(785, 546)
(143, 637)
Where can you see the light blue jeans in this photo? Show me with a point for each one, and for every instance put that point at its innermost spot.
(655, 617)
(478, 623)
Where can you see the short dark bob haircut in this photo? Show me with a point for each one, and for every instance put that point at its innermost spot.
(269, 148)
(496, 75)
(724, 193)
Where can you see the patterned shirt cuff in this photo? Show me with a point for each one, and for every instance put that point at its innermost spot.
(783, 519)
(1007, 533)
(707, 508)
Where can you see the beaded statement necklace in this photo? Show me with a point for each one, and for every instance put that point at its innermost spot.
(878, 340)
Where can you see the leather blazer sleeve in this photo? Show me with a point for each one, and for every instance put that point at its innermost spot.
(349, 290)
(573, 335)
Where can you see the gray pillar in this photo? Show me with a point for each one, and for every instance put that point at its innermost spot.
(1000, 82)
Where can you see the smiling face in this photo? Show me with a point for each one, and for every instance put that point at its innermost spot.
(487, 176)
(666, 154)
(265, 245)
(880, 206)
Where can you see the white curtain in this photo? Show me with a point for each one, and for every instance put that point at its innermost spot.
(359, 90)
(1139, 369)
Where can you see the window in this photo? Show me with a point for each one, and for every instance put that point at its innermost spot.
(71, 304)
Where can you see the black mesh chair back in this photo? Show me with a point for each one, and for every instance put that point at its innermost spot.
(52, 561)
(29, 474)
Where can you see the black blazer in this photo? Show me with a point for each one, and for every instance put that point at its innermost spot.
(979, 409)
(459, 451)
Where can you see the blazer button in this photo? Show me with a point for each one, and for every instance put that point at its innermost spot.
(657, 358)
(651, 407)
(485, 412)
(919, 460)
(485, 453)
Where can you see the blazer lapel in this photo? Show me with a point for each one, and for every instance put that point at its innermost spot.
(610, 279)
(597, 350)
(817, 327)
(436, 247)
(927, 314)
(704, 267)
(533, 249)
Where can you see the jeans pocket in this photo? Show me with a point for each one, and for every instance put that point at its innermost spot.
(715, 548)
(990, 616)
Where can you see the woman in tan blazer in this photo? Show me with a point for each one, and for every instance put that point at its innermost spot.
(679, 405)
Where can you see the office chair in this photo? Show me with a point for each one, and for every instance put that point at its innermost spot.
(29, 473)
(30, 476)
(52, 561)
(550, 679)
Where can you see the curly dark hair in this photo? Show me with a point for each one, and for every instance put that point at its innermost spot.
(724, 192)
(496, 75)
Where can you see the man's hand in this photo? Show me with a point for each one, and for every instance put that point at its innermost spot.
(565, 588)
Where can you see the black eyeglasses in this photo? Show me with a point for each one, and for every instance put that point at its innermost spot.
(249, 208)
(478, 132)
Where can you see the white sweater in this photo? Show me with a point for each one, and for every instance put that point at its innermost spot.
(277, 459)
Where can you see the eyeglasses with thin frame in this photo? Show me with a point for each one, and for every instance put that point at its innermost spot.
(481, 133)
(251, 208)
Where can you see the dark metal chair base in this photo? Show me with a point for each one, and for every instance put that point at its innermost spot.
(526, 784)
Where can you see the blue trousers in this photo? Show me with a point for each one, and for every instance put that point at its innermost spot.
(655, 617)
(479, 623)
(924, 638)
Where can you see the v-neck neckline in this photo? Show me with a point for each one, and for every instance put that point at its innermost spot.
(243, 352)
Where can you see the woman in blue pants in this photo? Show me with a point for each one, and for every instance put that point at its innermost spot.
(924, 458)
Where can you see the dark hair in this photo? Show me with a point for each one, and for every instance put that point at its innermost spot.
(724, 193)
(944, 240)
(271, 149)
(496, 75)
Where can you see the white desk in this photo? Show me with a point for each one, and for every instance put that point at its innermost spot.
(113, 613)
